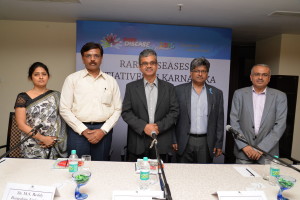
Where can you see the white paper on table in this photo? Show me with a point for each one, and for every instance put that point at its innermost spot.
(28, 191)
(241, 195)
(246, 171)
(137, 195)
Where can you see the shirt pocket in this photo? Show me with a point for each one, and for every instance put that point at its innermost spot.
(107, 98)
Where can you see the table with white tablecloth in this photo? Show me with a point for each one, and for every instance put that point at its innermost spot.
(186, 181)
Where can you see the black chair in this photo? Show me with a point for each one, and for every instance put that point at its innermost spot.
(124, 154)
(13, 137)
(293, 159)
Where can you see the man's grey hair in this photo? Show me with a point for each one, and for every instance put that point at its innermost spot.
(263, 65)
(146, 53)
(197, 62)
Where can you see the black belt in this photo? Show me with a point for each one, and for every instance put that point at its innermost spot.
(93, 123)
(197, 135)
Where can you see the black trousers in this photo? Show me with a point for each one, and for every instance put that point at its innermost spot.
(99, 151)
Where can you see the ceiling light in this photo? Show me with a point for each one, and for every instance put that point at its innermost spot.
(179, 6)
(285, 13)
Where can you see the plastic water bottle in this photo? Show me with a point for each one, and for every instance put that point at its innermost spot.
(73, 162)
(274, 168)
(144, 174)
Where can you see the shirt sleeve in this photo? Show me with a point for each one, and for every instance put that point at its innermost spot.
(117, 104)
(20, 101)
(66, 101)
(235, 118)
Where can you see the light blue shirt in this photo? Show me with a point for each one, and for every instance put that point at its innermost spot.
(199, 110)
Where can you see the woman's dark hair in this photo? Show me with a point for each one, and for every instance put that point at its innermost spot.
(34, 66)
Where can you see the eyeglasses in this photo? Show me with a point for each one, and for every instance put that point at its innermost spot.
(145, 64)
(200, 71)
(259, 74)
(96, 56)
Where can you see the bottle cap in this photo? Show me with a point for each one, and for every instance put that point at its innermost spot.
(145, 159)
(73, 152)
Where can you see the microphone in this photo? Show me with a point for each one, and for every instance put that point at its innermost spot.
(153, 135)
(235, 133)
(35, 129)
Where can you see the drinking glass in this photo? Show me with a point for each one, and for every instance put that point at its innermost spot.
(153, 179)
(81, 178)
(86, 162)
(266, 170)
(266, 174)
(285, 183)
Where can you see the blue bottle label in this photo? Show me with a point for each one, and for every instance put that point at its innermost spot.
(274, 172)
(73, 167)
(144, 175)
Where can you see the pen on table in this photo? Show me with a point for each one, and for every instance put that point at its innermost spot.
(250, 172)
(2, 160)
(67, 162)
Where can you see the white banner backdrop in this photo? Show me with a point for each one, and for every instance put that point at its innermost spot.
(121, 60)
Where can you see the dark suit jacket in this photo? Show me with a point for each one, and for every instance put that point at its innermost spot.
(272, 125)
(135, 114)
(215, 126)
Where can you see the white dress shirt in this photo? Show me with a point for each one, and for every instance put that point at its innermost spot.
(88, 99)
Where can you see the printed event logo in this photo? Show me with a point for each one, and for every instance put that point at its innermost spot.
(112, 40)
(166, 45)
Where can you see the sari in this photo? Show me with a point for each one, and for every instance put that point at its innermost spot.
(43, 109)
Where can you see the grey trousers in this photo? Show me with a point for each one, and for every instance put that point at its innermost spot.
(196, 151)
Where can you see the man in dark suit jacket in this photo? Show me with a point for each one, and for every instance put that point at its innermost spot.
(149, 105)
(200, 125)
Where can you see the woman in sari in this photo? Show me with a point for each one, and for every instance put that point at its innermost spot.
(41, 106)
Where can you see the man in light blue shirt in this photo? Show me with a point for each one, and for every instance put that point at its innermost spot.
(199, 111)
(200, 125)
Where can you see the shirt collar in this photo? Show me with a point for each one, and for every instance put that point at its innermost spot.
(86, 73)
(155, 82)
(204, 86)
(263, 92)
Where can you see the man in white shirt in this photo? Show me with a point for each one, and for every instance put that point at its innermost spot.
(91, 105)
(259, 113)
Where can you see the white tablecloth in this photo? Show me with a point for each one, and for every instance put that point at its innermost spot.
(187, 181)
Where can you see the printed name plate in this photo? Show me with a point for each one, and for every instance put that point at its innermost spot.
(28, 192)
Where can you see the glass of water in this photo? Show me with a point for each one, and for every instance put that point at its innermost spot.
(86, 160)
